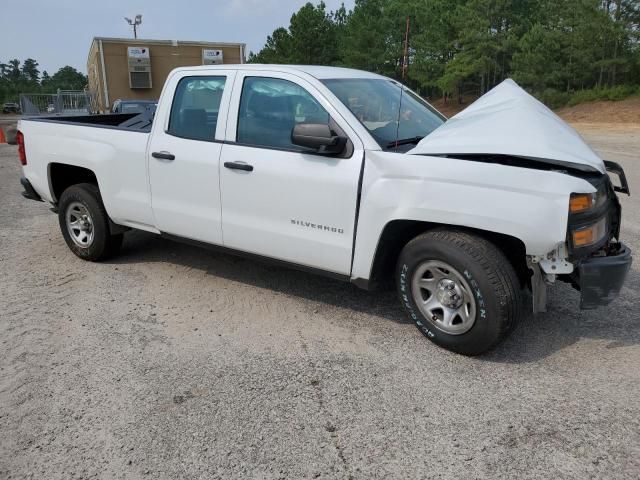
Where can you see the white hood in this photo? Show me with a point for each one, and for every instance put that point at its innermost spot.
(509, 121)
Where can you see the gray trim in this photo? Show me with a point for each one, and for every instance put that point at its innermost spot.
(362, 283)
(255, 256)
(104, 76)
(357, 217)
(538, 287)
(167, 42)
(62, 120)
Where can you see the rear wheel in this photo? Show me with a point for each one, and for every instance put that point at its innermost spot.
(85, 224)
(460, 290)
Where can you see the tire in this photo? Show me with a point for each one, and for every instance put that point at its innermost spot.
(92, 240)
(444, 268)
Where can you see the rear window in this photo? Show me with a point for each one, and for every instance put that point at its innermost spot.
(196, 103)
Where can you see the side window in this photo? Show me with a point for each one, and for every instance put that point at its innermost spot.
(270, 108)
(196, 103)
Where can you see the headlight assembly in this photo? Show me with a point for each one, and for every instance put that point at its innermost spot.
(582, 202)
(589, 234)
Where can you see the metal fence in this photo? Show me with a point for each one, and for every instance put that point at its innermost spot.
(65, 102)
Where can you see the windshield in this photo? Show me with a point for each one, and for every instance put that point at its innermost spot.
(396, 118)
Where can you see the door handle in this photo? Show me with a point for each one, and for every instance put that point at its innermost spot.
(239, 166)
(163, 155)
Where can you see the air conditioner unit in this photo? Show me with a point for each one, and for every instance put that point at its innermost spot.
(139, 62)
(211, 57)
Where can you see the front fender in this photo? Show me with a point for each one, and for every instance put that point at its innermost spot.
(528, 204)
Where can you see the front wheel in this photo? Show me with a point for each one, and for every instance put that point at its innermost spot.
(85, 224)
(459, 289)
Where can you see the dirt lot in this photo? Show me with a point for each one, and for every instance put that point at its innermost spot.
(175, 362)
(623, 111)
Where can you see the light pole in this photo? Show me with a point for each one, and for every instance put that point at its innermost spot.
(134, 23)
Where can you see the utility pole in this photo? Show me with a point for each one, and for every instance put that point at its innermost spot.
(405, 58)
(134, 23)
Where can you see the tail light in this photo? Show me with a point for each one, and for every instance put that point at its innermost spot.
(21, 152)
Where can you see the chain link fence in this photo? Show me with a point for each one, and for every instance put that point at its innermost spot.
(65, 102)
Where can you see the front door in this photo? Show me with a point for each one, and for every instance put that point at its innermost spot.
(279, 200)
(184, 156)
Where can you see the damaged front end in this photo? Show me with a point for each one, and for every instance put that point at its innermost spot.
(593, 259)
(507, 126)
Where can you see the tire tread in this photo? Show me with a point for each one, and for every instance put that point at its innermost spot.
(501, 274)
(112, 243)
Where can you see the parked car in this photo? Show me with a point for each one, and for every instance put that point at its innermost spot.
(10, 107)
(352, 175)
(134, 106)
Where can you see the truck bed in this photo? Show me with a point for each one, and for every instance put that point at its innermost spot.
(111, 147)
(140, 122)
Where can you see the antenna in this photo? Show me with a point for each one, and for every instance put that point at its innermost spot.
(405, 58)
(399, 113)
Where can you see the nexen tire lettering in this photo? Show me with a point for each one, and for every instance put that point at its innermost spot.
(476, 290)
(407, 303)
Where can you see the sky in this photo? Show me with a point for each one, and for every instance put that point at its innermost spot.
(59, 32)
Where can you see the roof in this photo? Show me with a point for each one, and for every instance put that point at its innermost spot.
(317, 71)
(166, 42)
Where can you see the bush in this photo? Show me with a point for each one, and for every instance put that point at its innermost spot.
(556, 99)
(619, 92)
(553, 98)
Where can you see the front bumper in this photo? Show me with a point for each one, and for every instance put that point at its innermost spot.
(29, 191)
(600, 279)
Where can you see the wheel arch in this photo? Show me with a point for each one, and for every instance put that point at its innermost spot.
(397, 233)
(61, 176)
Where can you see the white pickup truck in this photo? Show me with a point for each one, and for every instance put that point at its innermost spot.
(352, 175)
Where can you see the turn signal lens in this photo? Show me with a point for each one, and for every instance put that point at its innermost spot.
(585, 236)
(579, 202)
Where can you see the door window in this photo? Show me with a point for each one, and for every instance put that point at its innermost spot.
(270, 108)
(194, 112)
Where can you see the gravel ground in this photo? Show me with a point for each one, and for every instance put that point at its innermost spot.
(175, 362)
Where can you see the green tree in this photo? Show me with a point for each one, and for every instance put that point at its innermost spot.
(310, 39)
(276, 50)
(30, 72)
(434, 43)
(67, 78)
(568, 48)
(372, 38)
(14, 74)
(313, 38)
(538, 63)
(24, 77)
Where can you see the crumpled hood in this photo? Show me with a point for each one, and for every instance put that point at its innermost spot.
(509, 121)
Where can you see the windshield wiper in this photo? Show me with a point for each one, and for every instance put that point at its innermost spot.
(404, 141)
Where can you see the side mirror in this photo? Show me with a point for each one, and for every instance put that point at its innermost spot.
(318, 137)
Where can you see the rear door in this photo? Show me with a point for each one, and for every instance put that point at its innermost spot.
(184, 154)
(280, 200)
